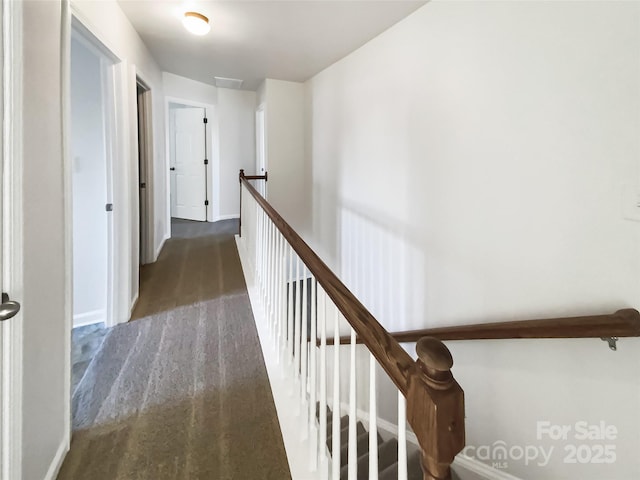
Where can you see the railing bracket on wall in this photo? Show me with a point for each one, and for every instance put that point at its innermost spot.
(612, 341)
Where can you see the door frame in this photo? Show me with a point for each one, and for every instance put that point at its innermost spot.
(145, 158)
(12, 240)
(261, 111)
(212, 152)
(108, 61)
(115, 82)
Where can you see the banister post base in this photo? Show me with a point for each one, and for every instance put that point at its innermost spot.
(435, 409)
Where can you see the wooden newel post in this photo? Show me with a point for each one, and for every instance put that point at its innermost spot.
(435, 408)
(240, 219)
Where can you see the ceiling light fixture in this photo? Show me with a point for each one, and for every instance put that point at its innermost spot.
(196, 23)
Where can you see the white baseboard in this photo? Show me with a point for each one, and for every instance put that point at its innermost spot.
(56, 463)
(226, 217)
(89, 318)
(161, 246)
(133, 303)
(480, 469)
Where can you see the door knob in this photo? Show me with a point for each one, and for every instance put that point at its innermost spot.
(172, 168)
(9, 308)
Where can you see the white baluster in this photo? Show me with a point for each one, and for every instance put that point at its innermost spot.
(272, 281)
(335, 433)
(322, 317)
(258, 247)
(373, 421)
(262, 252)
(313, 348)
(353, 434)
(290, 308)
(278, 294)
(402, 437)
(304, 351)
(297, 327)
(283, 301)
(267, 270)
(263, 255)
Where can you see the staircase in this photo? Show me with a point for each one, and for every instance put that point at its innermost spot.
(387, 453)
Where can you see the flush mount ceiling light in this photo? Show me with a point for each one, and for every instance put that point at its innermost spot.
(196, 23)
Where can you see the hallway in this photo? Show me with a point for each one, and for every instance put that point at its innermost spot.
(182, 391)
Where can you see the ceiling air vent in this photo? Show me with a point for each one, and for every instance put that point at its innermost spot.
(228, 82)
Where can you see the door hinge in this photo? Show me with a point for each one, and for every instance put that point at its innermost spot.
(205, 120)
(143, 185)
(206, 203)
(109, 207)
(206, 161)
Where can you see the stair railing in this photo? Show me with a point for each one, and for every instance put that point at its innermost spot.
(302, 299)
(609, 327)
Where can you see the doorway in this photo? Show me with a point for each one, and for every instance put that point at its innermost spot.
(188, 162)
(145, 168)
(91, 137)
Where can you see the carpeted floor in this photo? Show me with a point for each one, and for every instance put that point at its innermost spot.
(182, 392)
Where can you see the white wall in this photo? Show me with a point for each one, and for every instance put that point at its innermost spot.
(468, 166)
(237, 143)
(287, 187)
(88, 153)
(186, 89)
(231, 116)
(46, 320)
(106, 21)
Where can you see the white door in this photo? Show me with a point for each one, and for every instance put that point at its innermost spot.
(261, 160)
(188, 171)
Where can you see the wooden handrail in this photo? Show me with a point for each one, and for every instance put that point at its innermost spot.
(623, 323)
(435, 401)
(391, 356)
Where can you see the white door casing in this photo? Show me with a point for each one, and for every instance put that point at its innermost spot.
(188, 180)
(11, 239)
(261, 156)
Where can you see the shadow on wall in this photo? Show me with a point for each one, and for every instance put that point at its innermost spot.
(382, 267)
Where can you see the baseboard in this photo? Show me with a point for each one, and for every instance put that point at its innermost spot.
(481, 469)
(58, 459)
(161, 246)
(133, 303)
(89, 318)
(226, 217)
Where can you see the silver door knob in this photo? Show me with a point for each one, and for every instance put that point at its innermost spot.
(9, 308)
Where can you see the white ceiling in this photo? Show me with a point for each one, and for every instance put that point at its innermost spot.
(253, 40)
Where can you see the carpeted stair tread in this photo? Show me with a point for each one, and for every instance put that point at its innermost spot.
(414, 470)
(387, 454)
(344, 423)
(362, 447)
(344, 434)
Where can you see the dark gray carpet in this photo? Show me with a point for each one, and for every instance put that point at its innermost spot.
(85, 342)
(182, 393)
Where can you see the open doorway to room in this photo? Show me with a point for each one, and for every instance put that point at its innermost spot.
(92, 117)
(188, 162)
(145, 169)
